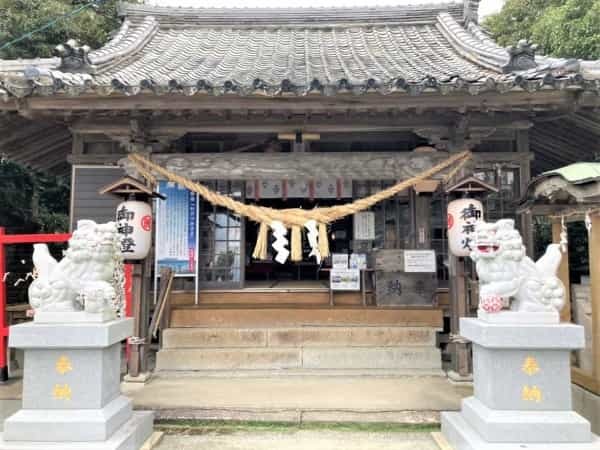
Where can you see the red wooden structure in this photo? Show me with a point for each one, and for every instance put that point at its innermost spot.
(11, 239)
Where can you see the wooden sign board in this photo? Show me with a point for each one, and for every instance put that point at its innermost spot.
(389, 260)
(405, 289)
(361, 246)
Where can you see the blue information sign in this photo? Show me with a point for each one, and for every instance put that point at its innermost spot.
(176, 243)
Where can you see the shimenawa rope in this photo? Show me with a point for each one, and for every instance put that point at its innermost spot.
(294, 218)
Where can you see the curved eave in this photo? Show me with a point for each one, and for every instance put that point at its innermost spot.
(82, 84)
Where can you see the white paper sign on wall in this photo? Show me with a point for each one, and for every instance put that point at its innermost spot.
(364, 226)
(339, 260)
(463, 215)
(345, 280)
(419, 261)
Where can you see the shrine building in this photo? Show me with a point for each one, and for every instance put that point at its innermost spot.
(297, 109)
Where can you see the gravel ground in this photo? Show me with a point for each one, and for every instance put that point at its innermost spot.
(301, 440)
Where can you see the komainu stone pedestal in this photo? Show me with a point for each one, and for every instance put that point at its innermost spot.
(71, 395)
(522, 381)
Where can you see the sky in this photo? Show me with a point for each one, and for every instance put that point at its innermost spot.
(486, 6)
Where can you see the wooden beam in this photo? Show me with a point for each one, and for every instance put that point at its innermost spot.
(523, 101)
(563, 272)
(302, 166)
(10, 105)
(479, 124)
(101, 159)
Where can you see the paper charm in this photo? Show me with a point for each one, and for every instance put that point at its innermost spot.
(281, 242)
(313, 239)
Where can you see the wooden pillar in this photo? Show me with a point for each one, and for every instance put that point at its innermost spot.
(524, 178)
(594, 250)
(459, 308)
(422, 219)
(563, 272)
(134, 368)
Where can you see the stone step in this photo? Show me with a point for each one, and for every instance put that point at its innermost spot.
(265, 358)
(298, 373)
(281, 317)
(324, 336)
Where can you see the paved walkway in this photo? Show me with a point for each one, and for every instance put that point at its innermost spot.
(300, 399)
(301, 440)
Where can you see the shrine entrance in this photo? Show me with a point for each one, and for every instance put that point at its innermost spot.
(306, 274)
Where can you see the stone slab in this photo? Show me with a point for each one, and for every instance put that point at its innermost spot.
(153, 441)
(310, 393)
(228, 359)
(461, 436)
(213, 337)
(371, 357)
(525, 426)
(72, 425)
(514, 317)
(73, 317)
(70, 335)
(73, 378)
(587, 404)
(141, 378)
(131, 436)
(351, 336)
(540, 336)
(516, 379)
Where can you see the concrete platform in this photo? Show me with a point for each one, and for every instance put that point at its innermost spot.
(301, 440)
(131, 436)
(299, 399)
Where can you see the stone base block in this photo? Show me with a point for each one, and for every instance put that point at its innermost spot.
(519, 318)
(68, 425)
(461, 436)
(142, 378)
(73, 317)
(525, 426)
(69, 335)
(131, 436)
(519, 336)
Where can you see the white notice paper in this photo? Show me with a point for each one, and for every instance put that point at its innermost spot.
(419, 261)
(345, 280)
(364, 226)
(339, 260)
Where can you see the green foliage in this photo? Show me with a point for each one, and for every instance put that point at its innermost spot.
(563, 28)
(92, 26)
(31, 201)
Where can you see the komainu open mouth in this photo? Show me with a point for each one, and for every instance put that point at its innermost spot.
(487, 248)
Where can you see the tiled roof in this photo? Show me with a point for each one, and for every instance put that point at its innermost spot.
(414, 49)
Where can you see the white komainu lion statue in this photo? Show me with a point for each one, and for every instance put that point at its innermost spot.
(506, 273)
(88, 278)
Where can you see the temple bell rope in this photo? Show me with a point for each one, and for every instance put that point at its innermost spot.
(295, 219)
